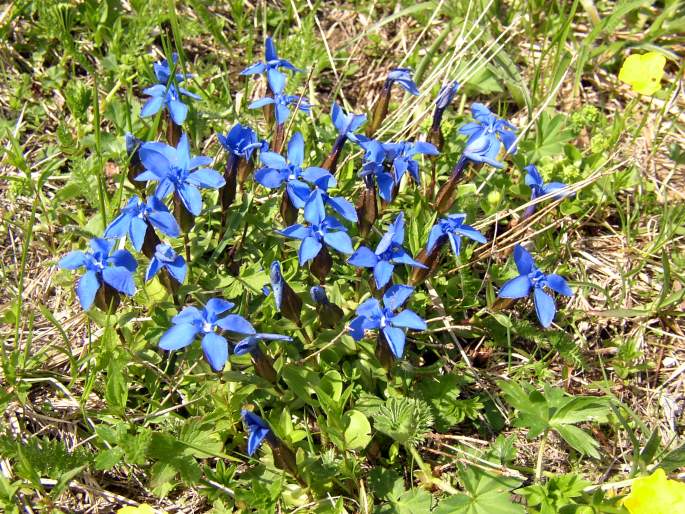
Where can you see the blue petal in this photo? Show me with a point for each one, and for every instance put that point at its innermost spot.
(296, 231)
(236, 323)
(273, 160)
(524, 261)
(400, 256)
(356, 328)
(191, 198)
(87, 288)
(216, 306)
(382, 273)
(188, 315)
(270, 50)
(282, 113)
(178, 111)
(215, 348)
(73, 260)
(471, 233)
(363, 257)
(435, 234)
(370, 309)
(396, 339)
(165, 222)
(408, 319)
(207, 178)
(395, 297)
(178, 269)
(386, 185)
(398, 229)
(314, 174)
(276, 80)
(340, 241)
(120, 279)
(425, 148)
(119, 226)
(157, 158)
(314, 207)
(246, 345)
(254, 441)
(296, 149)
(518, 287)
(261, 102)
(558, 283)
(544, 307)
(178, 336)
(298, 192)
(309, 249)
(152, 106)
(455, 242)
(152, 269)
(137, 232)
(255, 68)
(269, 177)
(343, 207)
(124, 258)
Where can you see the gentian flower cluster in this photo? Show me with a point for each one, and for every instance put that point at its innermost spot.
(486, 136)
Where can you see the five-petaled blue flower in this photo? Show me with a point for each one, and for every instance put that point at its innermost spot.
(402, 76)
(321, 230)
(257, 428)
(530, 277)
(539, 188)
(388, 253)
(371, 315)
(402, 157)
(271, 64)
(240, 141)
(174, 169)
(346, 124)
(280, 101)
(453, 228)
(486, 135)
(166, 258)
(115, 270)
(374, 164)
(250, 343)
(192, 321)
(278, 171)
(134, 217)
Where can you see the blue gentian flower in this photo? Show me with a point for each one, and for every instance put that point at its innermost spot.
(402, 76)
(322, 230)
(539, 188)
(257, 428)
(115, 270)
(134, 218)
(454, 229)
(388, 253)
(277, 171)
(174, 168)
(486, 135)
(250, 343)
(446, 95)
(374, 164)
(371, 315)
(530, 277)
(277, 283)
(402, 157)
(318, 295)
(166, 258)
(240, 141)
(169, 96)
(347, 124)
(280, 101)
(321, 198)
(271, 64)
(163, 71)
(192, 321)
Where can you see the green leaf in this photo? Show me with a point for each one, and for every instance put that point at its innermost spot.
(579, 440)
(410, 502)
(116, 393)
(582, 408)
(107, 459)
(357, 430)
(484, 494)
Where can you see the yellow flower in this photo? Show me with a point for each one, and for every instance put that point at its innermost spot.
(656, 494)
(143, 508)
(643, 72)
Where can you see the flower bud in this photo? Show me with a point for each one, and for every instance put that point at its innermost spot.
(367, 207)
(321, 265)
(288, 210)
(287, 301)
(329, 314)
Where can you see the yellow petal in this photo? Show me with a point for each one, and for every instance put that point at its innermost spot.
(143, 508)
(656, 494)
(643, 72)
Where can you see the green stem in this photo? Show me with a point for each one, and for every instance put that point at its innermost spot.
(98, 152)
(428, 472)
(541, 451)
